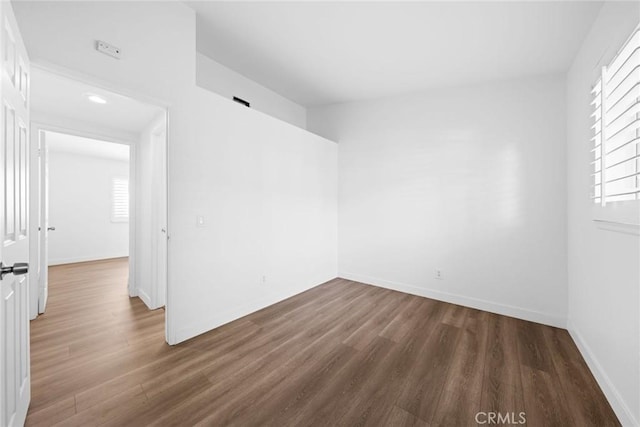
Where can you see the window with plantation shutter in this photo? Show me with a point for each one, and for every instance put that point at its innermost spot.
(616, 128)
(120, 200)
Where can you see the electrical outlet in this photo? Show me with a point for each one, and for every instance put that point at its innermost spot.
(108, 49)
(200, 221)
(439, 274)
(264, 280)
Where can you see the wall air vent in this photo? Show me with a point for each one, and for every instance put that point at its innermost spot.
(241, 101)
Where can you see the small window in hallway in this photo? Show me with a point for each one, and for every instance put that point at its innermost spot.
(616, 127)
(120, 198)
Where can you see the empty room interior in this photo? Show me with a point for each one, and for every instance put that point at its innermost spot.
(320, 213)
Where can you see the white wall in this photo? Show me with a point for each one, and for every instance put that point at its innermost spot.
(80, 208)
(213, 76)
(268, 192)
(221, 157)
(604, 276)
(469, 181)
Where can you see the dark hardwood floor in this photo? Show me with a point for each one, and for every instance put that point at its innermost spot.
(342, 353)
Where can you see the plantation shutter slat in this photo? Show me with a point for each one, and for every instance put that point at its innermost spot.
(120, 200)
(615, 127)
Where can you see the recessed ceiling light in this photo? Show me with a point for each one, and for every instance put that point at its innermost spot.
(95, 98)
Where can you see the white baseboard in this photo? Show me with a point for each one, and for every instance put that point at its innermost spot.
(133, 290)
(611, 393)
(74, 260)
(480, 304)
(146, 299)
(235, 313)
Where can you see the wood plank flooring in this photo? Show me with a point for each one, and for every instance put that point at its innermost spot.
(342, 353)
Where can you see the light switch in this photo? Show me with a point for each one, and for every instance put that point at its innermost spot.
(199, 221)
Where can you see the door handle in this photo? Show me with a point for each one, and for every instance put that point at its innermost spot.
(19, 268)
(51, 229)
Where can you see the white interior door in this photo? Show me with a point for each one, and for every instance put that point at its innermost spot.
(14, 218)
(43, 277)
(39, 223)
(159, 185)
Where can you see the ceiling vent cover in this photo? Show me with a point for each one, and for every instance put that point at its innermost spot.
(241, 101)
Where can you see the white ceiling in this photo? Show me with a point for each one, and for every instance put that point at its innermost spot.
(58, 142)
(63, 97)
(327, 52)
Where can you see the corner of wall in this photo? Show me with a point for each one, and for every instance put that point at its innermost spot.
(602, 264)
(622, 411)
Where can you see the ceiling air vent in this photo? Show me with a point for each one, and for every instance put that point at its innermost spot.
(241, 101)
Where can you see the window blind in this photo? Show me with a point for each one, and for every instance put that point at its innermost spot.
(616, 127)
(120, 200)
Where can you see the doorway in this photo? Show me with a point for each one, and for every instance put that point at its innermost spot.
(107, 153)
(84, 206)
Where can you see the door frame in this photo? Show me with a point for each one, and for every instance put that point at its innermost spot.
(142, 97)
(37, 227)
